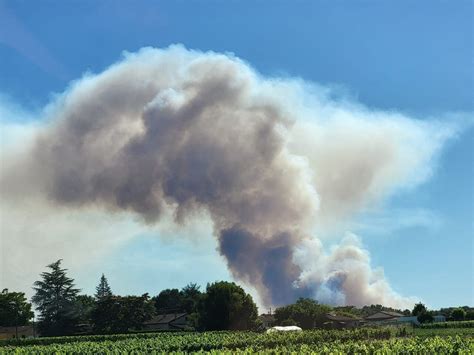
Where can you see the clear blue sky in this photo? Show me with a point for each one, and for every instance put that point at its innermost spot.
(414, 57)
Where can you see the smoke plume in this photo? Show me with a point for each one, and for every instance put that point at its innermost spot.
(269, 160)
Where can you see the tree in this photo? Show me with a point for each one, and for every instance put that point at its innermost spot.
(169, 300)
(422, 314)
(55, 299)
(84, 307)
(226, 306)
(419, 309)
(306, 312)
(14, 309)
(190, 295)
(458, 314)
(117, 314)
(103, 289)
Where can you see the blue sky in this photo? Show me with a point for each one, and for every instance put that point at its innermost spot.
(415, 58)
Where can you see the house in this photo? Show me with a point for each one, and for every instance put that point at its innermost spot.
(439, 318)
(383, 317)
(268, 320)
(25, 331)
(335, 321)
(408, 319)
(173, 321)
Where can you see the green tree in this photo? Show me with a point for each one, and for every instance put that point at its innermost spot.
(117, 314)
(84, 307)
(14, 309)
(422, 313)
(419, 309)
(191, 295)
(458, 314)
(306, 312)
(55, 300)
(103, 289)
(169, 300)
(226, 306)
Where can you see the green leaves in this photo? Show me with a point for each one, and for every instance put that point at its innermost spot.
(14, 309)
(55, 299)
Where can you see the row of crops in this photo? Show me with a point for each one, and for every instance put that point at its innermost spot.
(459, 324)
(224, 338)
(365, 341)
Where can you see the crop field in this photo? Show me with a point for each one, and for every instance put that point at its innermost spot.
(359, 341)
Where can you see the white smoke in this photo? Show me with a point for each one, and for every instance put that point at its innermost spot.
(269, 160)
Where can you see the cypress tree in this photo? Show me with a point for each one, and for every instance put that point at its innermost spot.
(103, 289)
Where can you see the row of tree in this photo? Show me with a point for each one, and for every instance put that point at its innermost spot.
(62, 310)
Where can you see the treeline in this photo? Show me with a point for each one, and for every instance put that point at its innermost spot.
(63, 310)
(423, 314)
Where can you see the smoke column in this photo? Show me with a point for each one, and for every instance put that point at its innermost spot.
(268, 159)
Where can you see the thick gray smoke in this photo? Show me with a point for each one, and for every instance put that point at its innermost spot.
(268, 159)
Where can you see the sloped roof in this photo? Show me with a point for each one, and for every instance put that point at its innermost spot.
(165, 318)
(267, 317)
(339, 318)
(384, 315)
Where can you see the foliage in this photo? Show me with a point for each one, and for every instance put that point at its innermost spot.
(169, 300)
(103, 289)
(55, 299)
(458, 314)
(120, 314)
(419, 309)
(226, 305)
(425, 317)
(191, 296)
(185, 300)
(460, 324)
(307, 313)
(14, 309)
(84, 307)
(359, 341)
(422, 313)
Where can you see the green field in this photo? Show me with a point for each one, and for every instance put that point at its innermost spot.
(359, 341)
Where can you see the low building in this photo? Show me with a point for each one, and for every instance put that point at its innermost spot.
(408, 320)
(173, 321)
(383, 317)
(335, 321)
(439, 318)
(268, 320)
(25, 331)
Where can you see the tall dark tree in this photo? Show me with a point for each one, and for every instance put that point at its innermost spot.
(103, 289)
(306, 313)
(191, 295)
(458, 314)
(117, 314)
(169, 300)
(85, 305)
(419, 309)
(14, 309)
(422, 313)
(55, 299)
(226, 305)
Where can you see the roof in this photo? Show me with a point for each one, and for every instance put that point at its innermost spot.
(339, 318)
(165, 318)
(382, 315)
(267, 317)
